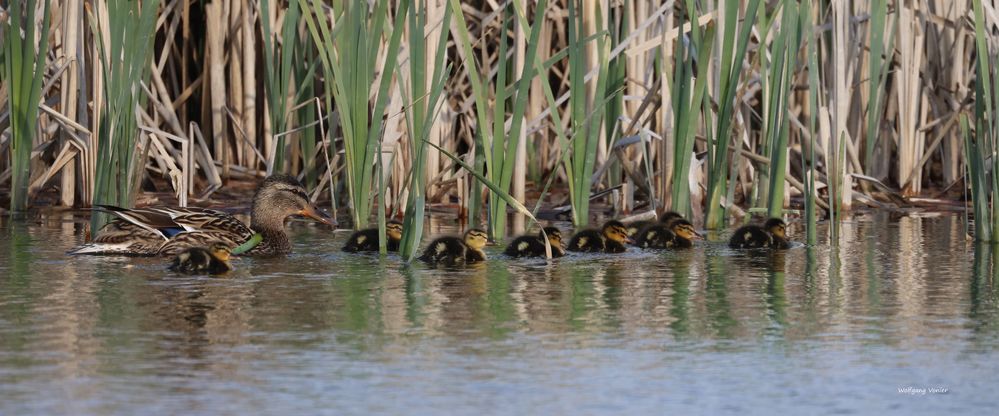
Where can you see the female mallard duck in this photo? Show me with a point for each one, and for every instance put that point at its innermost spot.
(678, 233)
(534, 245)
(609, 239)
(451, 251)
(666, 218)
(770, 235)
(200, 260)
(367, 240)
(168, 231)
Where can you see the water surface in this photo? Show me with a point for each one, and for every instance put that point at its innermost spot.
(897, 308)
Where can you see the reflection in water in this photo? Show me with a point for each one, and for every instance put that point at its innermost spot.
(894, 303)
(984, 308)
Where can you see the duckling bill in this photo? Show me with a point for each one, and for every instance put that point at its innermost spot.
(771, 235)
(367, 240)
(609, 239)
(452, 251)
(534, 245)
(200, 260)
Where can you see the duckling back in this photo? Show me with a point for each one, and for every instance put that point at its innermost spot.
(751, 236)
(656, 236)
(198, 260)
(363, 240)
(530, 246)
(446, 250)
(635, 227)
(587, 241)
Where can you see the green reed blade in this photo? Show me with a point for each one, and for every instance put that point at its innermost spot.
(731, 70)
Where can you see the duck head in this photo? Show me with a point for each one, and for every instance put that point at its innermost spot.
(554, 236)
(394, 230)
(476, 238)
(669, 216)
(616, 231)
(684, 229)
(279, 197)
(219, 251)
(777, 227)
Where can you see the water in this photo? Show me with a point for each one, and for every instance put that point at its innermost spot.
(900, 304)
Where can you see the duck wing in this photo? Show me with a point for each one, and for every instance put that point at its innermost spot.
(163, 230)
(170, 221)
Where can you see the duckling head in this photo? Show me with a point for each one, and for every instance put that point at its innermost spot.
(684, 229)
(393, 230)
(616, 231)
(776, 227)
(476, 238)
(219, 251)
(554, 236)
(669, 216)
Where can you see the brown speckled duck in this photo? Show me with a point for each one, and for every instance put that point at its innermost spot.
(167, 231)
(771, 235)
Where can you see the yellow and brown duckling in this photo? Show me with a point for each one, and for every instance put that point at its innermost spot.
(609, 239)
(771, 235)
(201, 260)
(367, 240)
(451, 251)
(667, 217)
(534, 245)
(678, 233)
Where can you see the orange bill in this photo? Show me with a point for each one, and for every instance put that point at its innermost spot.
(312, 212)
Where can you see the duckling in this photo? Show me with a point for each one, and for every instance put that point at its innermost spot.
(610, 239)
(678, 233)
(367, 240)
(452, 251)
(200, 260)
(666, 218)
(770, 235)
(534, 245)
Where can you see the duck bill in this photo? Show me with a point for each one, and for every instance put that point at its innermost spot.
(698, 235)
(312, 212)
(629, 240)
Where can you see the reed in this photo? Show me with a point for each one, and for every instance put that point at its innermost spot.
(424, 98)
(499, 145)
(124, 32)
(688, 92)
(586, 130)
(279, 76)
(877, 74)
(349, 42)
(784, 53)
(23, 67)
(733, 52)
(539, 91)
(980, 146)
(808, 164)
